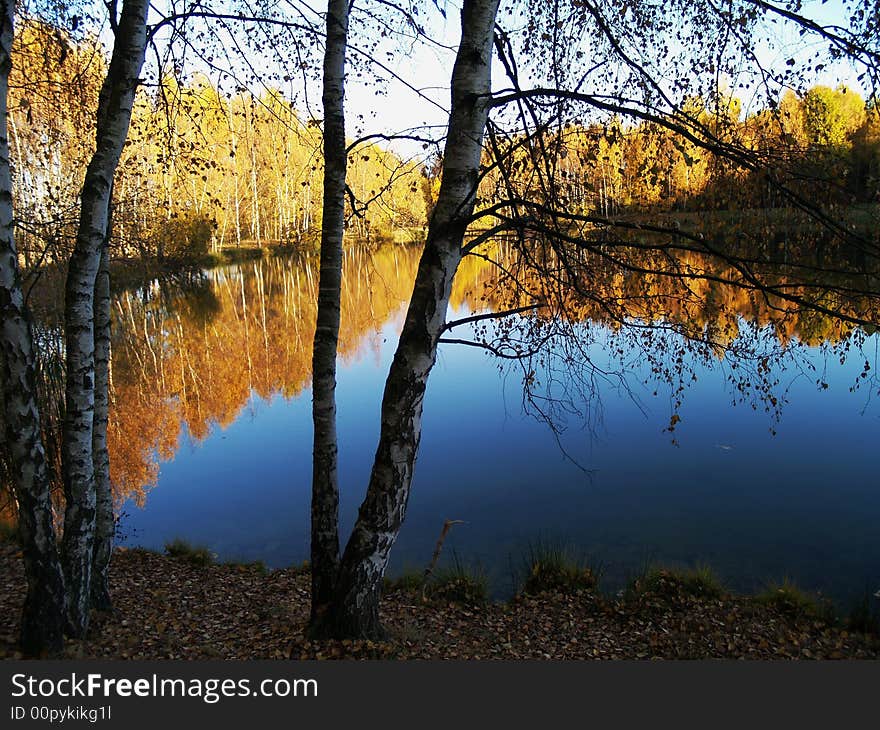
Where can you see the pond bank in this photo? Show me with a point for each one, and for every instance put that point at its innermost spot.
(127, 274)
(172, 608)
(133, 273)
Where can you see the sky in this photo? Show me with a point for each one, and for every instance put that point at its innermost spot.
(428, 69)
(415, 74)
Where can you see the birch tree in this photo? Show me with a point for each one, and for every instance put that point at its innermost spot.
(43, 616)
(325, 483)
(78, 461)
(354, 610)
(105, 523)
(568, 48)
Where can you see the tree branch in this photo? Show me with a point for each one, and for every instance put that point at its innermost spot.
(490, 315)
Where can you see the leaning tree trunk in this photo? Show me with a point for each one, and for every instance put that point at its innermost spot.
(355, 608)
(42, 625)
(325, 484)
(114, 117)
(104, 522)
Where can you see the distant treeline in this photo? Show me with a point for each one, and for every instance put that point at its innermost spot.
(201, 167)
(826, 136)
(205, 169)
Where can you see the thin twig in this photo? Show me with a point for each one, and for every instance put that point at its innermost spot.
(447, 526)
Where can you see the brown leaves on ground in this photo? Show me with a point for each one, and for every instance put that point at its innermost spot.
(170, 609)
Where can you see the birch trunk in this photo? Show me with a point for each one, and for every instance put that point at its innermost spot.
(325, 484)
(42, 625)
(104, 522)
(234, 157)
(114, 117)
(355, 608)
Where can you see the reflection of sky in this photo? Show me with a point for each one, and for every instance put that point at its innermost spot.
(803, 504)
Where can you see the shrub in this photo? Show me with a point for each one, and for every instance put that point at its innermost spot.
(185, 236)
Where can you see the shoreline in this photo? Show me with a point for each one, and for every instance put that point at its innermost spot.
(172, 608)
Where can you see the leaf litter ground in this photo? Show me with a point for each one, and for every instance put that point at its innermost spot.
(169, 608)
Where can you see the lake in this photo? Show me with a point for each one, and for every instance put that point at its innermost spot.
(764, 471)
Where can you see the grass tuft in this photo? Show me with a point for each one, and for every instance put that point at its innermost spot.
(246, 565)
(193, 554)
(550, 567)
(459, 583)
(304, 568)
(793, 602)
(864, 615)
(410, 581)
(456, 582)
(138, 550)
(699, 582)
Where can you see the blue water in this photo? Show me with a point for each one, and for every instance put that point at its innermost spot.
(802, 504)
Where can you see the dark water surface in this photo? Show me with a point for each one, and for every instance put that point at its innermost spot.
(211, 440)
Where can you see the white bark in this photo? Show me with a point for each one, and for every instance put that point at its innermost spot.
(325, 484)
(234, 165)
(105, 524)
(114, 118)
(43, 616)
(355, 610)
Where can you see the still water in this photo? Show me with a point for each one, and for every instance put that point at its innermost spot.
(211, 437)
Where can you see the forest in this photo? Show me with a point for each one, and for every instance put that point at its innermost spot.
(700, 181)
(203, 170)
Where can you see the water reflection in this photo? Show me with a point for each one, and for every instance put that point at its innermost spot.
(211, 406)
(192, 356)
